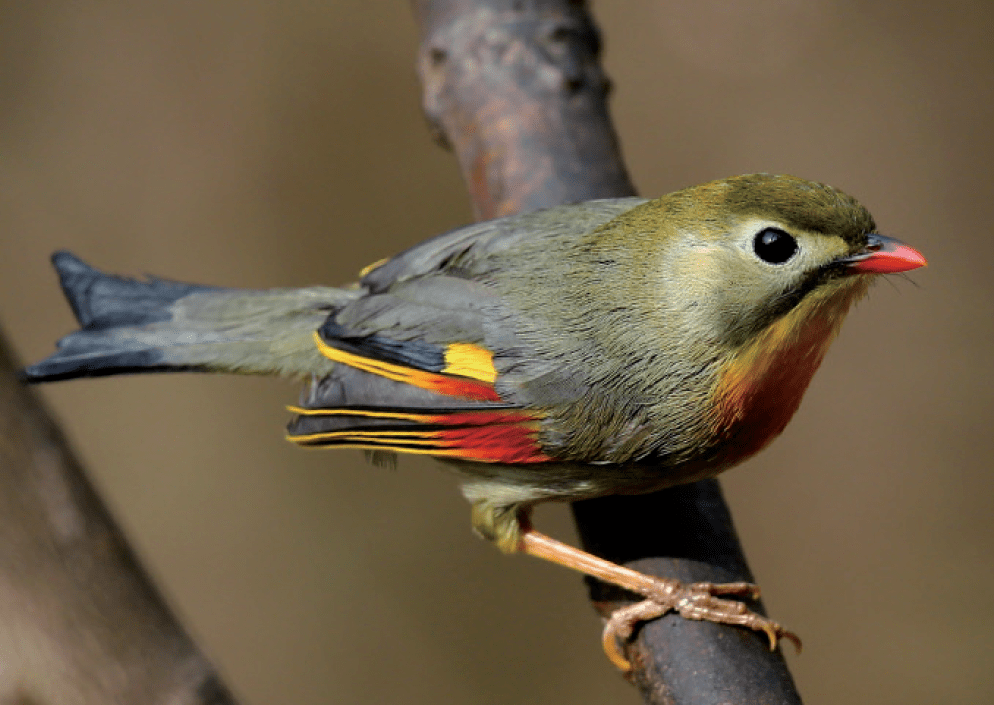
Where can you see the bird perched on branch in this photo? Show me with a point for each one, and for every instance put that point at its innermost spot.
(613, 346)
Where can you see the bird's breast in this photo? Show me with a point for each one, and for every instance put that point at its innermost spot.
(760, 388)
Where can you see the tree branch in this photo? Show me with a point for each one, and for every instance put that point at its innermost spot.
(516, 89)
(80, 622)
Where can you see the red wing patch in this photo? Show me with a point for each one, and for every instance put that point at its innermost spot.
(485, 435)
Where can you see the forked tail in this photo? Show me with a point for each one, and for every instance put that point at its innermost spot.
(156, 325)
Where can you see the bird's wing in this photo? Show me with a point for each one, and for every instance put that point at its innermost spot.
(416, 354)
(413, 374)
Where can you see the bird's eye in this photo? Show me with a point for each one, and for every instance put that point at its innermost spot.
(774, 246)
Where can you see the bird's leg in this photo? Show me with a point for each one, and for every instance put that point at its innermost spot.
(691, 601)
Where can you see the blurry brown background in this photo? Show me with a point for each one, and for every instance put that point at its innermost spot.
(279, 144)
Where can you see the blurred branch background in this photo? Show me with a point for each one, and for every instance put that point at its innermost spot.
(259, 144)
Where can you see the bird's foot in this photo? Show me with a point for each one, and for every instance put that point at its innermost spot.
(699, 601)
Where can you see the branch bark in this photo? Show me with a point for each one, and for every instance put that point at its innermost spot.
(517, 90)
(80, 622)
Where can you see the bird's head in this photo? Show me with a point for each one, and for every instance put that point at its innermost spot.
(750, 278)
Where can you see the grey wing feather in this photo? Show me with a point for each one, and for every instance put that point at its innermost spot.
(434, 308)
(478, 284)
(464, 249)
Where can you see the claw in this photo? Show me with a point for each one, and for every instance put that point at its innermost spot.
(793, 639)
(620, 626)
(775, 632)
(771, 633)
(610, 643)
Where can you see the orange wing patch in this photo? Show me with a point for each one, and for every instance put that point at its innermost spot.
(468, 373)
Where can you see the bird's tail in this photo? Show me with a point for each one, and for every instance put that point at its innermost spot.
(127, 326)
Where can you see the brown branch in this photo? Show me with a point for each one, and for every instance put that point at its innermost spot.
(520, 95)
(517, 90)
(80, 622)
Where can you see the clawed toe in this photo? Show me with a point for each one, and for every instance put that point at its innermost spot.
(697, 601)
(621, 625)
(748, 590)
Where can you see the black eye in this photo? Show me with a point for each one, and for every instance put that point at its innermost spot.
(774, 246)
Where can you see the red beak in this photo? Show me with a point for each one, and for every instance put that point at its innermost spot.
(885, 255)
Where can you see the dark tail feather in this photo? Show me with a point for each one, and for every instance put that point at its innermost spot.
(101, 301)
(127, 326)
(104, 304)
(72, 363)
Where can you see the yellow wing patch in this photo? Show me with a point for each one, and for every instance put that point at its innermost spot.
(370, 267)
(468, 360)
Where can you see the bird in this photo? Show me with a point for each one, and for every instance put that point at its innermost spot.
(614, 346)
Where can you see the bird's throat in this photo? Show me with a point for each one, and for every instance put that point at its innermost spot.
(761, 387)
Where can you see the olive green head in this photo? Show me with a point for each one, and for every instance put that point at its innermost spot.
(731, 256)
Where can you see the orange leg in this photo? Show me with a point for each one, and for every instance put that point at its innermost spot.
(693, 601)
